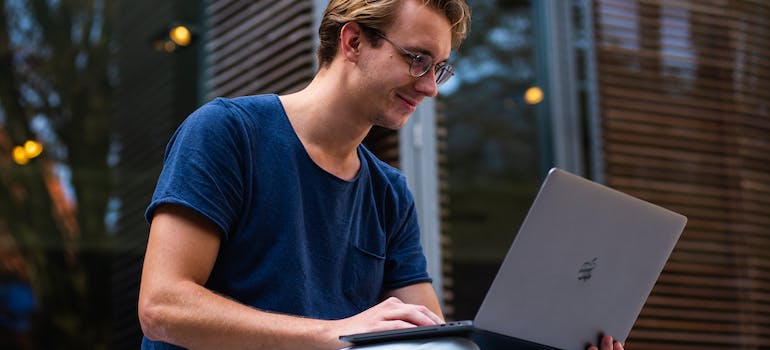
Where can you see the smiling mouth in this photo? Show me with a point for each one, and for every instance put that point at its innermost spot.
(408, 102)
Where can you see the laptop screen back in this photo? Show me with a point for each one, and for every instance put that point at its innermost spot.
(583, 263)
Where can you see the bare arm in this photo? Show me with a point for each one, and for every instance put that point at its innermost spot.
(175, 307)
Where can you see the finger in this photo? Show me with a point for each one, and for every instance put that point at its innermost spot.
(395, 309)
(409, 314)
(392, 300)
(432, 316)
(417, 314)
(618, 346)
(606, 343)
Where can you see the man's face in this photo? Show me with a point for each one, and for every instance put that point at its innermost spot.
(389, 92)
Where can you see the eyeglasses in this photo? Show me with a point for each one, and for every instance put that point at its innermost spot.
(422, 63)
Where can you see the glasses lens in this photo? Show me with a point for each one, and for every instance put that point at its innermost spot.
(420, 65)
(443, 73)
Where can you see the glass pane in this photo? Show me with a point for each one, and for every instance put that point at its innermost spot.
(493, 138)
(87, 101)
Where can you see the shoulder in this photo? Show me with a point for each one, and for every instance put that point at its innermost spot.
(249, 105)
(387, 179)
(239, 108)
(231, 116)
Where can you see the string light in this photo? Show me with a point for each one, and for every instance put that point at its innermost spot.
(180, 35)
(533, 95)
(33, 148)
(23, 154)
(19, 155)
(170, 40)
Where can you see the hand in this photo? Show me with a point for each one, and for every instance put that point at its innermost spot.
(607, 344)
(389, 314)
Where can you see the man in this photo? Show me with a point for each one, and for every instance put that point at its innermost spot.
(272, 227)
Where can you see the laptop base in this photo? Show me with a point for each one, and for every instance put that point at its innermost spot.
(458, 328)
(487, 340)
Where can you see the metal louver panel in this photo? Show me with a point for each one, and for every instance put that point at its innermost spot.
(258, 47)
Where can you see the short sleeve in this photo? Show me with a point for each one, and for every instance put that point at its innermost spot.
(405, 262)
(203, 167)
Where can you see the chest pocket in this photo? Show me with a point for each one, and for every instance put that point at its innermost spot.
(364, 269)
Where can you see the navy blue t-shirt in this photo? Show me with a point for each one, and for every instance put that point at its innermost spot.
(295, 238)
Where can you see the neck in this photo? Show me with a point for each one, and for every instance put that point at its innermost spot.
(328, 124)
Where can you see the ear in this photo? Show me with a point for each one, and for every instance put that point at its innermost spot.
(351, 37)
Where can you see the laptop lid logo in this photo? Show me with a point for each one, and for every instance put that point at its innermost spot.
(584, 274)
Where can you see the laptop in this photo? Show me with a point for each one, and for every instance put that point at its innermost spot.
(583, 264)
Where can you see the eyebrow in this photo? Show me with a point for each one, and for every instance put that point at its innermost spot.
(420, 50)
(412, 49)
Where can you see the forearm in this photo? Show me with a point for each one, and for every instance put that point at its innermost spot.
(175, 307)
(194, 317)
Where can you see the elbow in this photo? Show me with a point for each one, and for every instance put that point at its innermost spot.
(152, 318)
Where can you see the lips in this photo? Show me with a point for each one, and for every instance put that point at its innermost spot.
(412, 103)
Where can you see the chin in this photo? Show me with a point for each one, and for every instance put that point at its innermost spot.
(392, 123)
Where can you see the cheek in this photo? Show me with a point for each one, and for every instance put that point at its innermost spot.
(388, 68)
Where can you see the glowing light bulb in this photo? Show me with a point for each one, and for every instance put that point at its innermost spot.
(33, 148)
(533, 95)
(20, 155)
(180, 35)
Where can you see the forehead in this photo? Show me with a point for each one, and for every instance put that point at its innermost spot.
(419, 26)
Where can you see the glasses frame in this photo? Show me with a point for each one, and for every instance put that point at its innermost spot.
(443, 70)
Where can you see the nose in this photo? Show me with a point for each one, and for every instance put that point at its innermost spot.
(426, 84)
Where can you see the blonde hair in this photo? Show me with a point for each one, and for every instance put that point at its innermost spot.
(378, 15)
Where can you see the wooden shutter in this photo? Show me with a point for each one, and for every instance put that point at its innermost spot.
(258, 46)
(683, 90)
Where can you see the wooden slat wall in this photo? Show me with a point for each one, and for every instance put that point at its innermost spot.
(258, 46)
(684, 90)
(384, 144)
(442, 150)
(266, 46)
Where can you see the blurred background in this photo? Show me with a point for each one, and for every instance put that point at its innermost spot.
(666, 100)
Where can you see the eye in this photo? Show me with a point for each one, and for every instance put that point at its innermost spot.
(423, 60)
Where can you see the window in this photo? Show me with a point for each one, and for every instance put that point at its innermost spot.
(495, 149)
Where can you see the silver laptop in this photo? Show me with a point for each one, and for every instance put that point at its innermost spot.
(583, 263)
